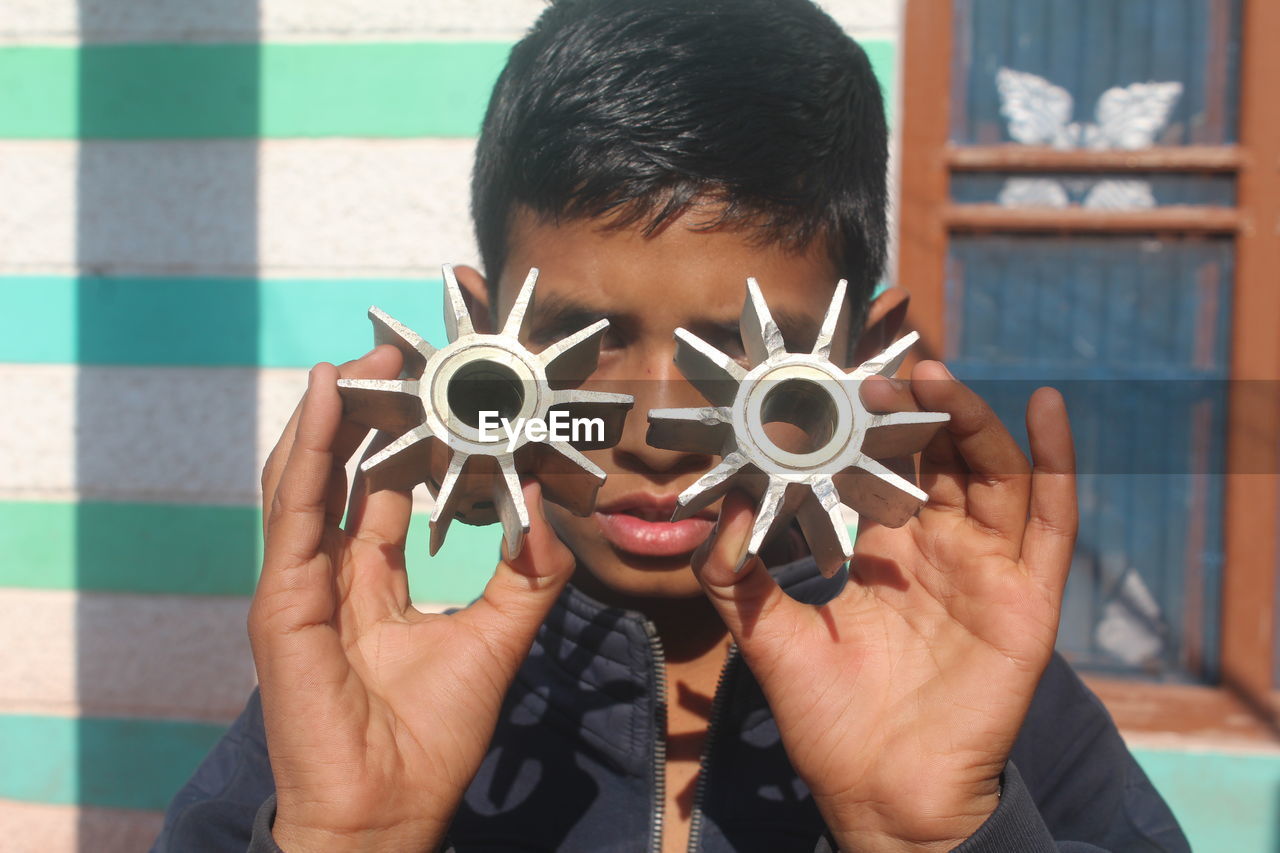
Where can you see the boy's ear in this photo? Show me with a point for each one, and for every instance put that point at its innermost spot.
(884, 322)
(475, 292)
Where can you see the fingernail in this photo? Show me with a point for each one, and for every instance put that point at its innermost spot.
(946, 371)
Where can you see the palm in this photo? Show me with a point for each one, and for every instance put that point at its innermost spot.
(923, 625)
(910, 686)
(377, 715)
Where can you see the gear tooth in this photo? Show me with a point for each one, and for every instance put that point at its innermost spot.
(707, 430)
(761, 337)
(390, 405)
(714, 374)
(610, 408)
(415, 350)
(569, 478)
(512, 510)
(573, 359)
(821, 517)
(710, 487)
(400, 464)
(888, 361)
(457, 320)
(901, 433)
(446, 501)
(766, 515)
(827, 332)
(515, 317)
(878, 493)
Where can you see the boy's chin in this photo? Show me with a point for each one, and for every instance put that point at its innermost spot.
(618, 582)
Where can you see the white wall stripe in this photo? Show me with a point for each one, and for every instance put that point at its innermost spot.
(236, 207)
(112, 654)
(185, 435)
(109, 654)
(43, 828)
(194, 435)
(51, 21)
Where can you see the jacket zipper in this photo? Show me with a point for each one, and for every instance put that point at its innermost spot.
(660, 742)
(700, 787)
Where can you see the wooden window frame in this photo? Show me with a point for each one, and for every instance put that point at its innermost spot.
(1245, 705)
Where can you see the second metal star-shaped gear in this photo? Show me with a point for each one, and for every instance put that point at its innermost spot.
(433, 410)
(836, 463)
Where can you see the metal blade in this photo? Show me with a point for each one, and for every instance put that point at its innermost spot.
(515, 317)
(767, 520)
(703, 430)
(827, 332)
(878, 493)
(402, 464)
(821, 518)
(457, 320)
(901, 433)
(388, 330)
(710, 487)
(761, 337)
(571, 360)
(512, 511)
(714, 374)
(568, 478)
(610, 408)
(447, 500)
(888, 361)
(390, 405)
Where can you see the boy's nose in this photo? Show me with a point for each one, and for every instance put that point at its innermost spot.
(661, 386)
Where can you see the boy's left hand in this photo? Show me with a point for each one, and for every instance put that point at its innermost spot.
(899, 701)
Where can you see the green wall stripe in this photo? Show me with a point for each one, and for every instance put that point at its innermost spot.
(208, 322)
(171, 91)
(195, 550)
(99, 761)
(1224, 801)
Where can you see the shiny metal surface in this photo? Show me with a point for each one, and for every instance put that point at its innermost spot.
(791, 430)
(433, 412)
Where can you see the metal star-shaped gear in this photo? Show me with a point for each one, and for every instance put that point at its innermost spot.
(433, 410)
(843, 442)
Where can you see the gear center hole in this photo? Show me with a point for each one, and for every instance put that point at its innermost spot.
(798, 416)
(485, 386)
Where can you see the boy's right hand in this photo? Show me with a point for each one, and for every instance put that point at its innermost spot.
(377, 716)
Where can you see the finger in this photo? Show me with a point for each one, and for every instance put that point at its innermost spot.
(300, 505)
(518, 597)
(295, 597)
(374, 584)
(381, 362)
(941, 469)
(754, 608)
(1049, 542)
(997, 486)
(882, 394)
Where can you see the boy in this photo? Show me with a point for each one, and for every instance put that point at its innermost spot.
(619, 686)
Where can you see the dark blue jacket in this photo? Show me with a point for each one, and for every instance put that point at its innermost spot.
(576, 762)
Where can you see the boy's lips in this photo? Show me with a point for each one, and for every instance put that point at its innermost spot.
(639, 524)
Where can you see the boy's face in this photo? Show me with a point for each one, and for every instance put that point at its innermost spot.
(647, 287)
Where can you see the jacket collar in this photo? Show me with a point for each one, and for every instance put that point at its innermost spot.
(587, 647)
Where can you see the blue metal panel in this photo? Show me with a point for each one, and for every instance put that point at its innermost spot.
(1134, 332)
(1087, 47)
(1166, 189)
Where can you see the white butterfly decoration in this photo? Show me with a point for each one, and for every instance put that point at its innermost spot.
(1039, 113)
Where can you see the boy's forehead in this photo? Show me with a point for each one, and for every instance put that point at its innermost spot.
(683, 272)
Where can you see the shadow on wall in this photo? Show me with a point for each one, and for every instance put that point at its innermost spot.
(166, 254)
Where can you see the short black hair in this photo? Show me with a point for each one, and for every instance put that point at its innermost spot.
(637, 109)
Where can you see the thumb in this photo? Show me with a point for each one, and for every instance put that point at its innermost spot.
(520, 593)
(748, 599)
